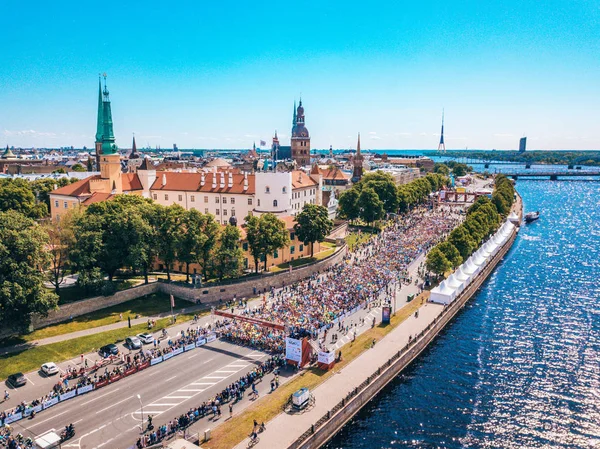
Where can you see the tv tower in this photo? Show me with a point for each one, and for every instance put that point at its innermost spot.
(442, 145)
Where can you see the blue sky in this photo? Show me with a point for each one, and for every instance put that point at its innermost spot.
(224, 74)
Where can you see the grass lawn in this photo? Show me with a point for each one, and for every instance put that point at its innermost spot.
(328, 250)
(233, 431)
(144, 306)
(354, 239)
(33, 358)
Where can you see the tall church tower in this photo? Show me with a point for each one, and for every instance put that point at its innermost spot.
(300, 138)
(358, 164)
(106, 149)
(99, 125)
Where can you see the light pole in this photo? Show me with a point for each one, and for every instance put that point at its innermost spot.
(142, 409)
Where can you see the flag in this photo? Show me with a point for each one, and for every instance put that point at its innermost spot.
(172, 301)
(262, 143)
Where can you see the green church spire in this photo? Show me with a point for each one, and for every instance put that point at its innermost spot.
(108, 137)
(295, 120)
(99, 126)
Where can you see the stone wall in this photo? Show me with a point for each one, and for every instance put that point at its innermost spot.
(206, 295)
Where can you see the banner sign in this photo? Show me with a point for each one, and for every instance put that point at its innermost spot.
(211, 337)
(30, 410)
(67, 395)
(293, 349)
(177, 351)
(386, 312)
(143, 366)
(156, 360)
(115, 378)
(200, 342)
(326, 358)
(86, 389)
(167, 356)
(189, 347)
(130, 371)
(12, 418)
(50, 402)
(101, 384)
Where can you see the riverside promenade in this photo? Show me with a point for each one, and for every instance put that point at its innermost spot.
(372, 370)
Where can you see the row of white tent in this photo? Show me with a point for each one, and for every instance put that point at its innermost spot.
(450, 288)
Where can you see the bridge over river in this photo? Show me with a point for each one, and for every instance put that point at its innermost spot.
(548, 173)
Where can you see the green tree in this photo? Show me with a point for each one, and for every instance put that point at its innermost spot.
(384, 186)
(436, 261)
(441, 168)
(61, 239)
(192, 239)
(460, 170)
(212, 230)
(42, 187)
(170, 220)
(371, 207)
(16, 194)
(348, 204)
(78, 168)
(265, 235)
(23, 259)
(313, 225)
(228, 255)
(463, 241)
(253, 237)
(451, 253)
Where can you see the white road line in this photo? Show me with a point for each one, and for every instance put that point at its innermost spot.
(170, 378)
(52, 417)
(101, 396)
(217, 377)
(192, 389)
(164, 404)
(29, 380)
(112, 405)
(204, 383)
(154, 373)
(177, 397)
(154, 413)
(238, 366)
(194, 355)
(226, 371)
(106, 442)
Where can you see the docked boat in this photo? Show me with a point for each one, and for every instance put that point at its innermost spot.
(532, 216)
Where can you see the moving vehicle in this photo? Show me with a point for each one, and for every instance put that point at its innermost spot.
(133, 343)
(110, 349)
(17, 380)
(532, 216)
(49, 368)
(147, 339)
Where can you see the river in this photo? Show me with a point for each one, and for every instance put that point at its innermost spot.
(520, 365)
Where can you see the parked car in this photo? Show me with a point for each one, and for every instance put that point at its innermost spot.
(49, 368)
(147, 339)
(133, 343)
(110, 349)
(17, 380)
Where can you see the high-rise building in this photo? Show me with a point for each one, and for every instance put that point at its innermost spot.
(522, 144)
(300, 138)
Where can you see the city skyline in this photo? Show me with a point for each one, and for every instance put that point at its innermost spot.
(226, 76)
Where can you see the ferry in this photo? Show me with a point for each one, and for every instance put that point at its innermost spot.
(532, 216)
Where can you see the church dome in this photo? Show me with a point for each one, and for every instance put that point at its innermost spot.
(300, 130)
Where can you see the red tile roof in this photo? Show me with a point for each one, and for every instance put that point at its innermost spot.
(96, 198)
(131, 182)
(190, 182)
(301, 180)
(78, 188)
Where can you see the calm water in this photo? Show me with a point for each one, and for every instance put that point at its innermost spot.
(520, 366)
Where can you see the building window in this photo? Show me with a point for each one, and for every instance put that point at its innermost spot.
(206, 210)
(274, 203)
(180, 198)
(232, 200)
(55, 203)
(217, 199)
(218, 211)
(206, 199)
(262, 257)
(276, 254)
(246, 263)
(258, 202)
(233, 212)
(305, 193)
(284, 190)
(224, 211)
(166, 197)
(292, 236)
(192, 198)
(66, 205)
(292, 249)
(224, 200)
(249, 201)
(155, 196)
(245, 246)
(301, 248)
(267, 189)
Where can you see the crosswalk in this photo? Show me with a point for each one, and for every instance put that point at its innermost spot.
(374, 313)
(187, 392)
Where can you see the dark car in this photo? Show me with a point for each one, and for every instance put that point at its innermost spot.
(17, 380)
(110, 349)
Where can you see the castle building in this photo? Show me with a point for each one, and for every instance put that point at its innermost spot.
(300, 138)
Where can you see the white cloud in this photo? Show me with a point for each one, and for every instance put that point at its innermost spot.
(28, 133)
(374, 137)
(372, 132)
(503, 135)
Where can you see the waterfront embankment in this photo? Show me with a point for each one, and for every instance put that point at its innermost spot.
(343, 395)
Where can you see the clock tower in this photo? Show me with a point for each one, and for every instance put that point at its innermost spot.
(300, 138)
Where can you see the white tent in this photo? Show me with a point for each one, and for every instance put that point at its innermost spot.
(469, 268)
(454, 283)
(491, 247)
(462, 276)
(442, 294)
(513, 218)
(478, 260)
(484, 252)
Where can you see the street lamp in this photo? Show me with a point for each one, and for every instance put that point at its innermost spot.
(142, 409)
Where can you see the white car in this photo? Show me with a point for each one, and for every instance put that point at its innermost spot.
(147, 339)
(49, 368)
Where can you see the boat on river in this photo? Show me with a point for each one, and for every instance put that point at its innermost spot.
(532, 216)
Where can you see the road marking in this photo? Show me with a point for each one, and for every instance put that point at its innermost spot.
(29, 380)
(154, 413)
(163, 404)
(203, 383)
(106, 442)
(52, 417)
(177, 397)
(170, 378)
(194, 355)
(192, 389)
(101, 396)
(217, 377)
(227, 371)
(116, 403)
(154, 373)
(238, 366)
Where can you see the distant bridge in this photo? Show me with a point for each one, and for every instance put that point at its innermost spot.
(545, 173)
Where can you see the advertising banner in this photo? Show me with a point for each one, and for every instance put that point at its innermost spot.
(386, 312)
(115, 378)
(143, 366)
(30, 410)
(211, 337)
(86, 389)
(326, 357)
(49, 403)
(293, 349)
(189, 347)
(129, 372)
(156, 360)
(167, 356)
(101, 384)
(12, 418)
(200, 342)
(67, 395)
(176, 351)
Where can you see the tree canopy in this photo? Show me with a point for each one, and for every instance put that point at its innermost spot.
(313, 225)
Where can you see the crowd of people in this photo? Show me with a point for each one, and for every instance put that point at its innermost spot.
(212, 407)
(313, 304)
